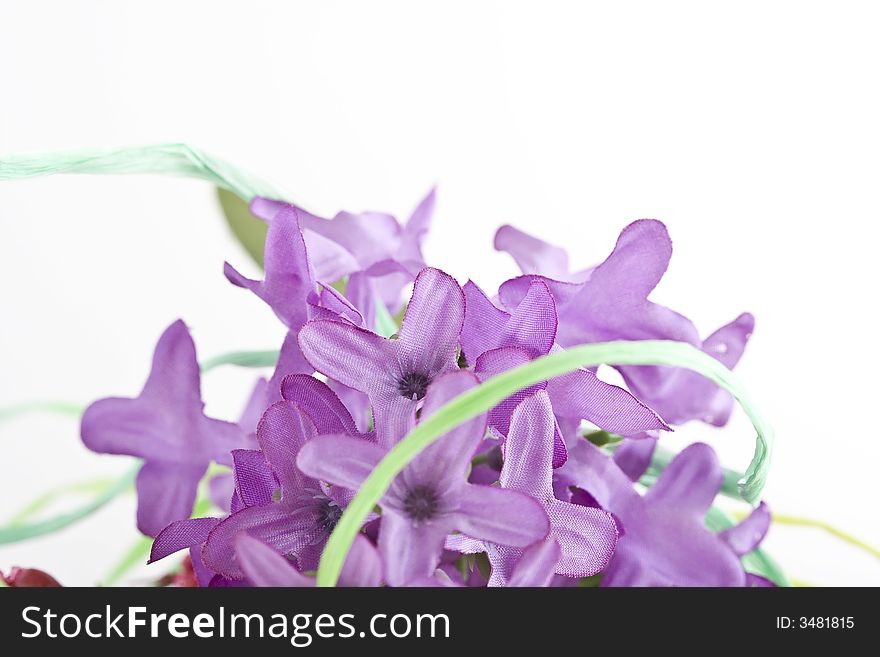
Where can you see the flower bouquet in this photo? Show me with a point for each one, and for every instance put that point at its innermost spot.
(416, 431)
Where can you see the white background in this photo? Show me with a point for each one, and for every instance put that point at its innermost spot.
(752, 132)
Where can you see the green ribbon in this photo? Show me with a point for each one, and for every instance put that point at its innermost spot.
(20, 532)
(162, 159)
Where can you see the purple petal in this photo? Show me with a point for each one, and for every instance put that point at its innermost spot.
(690, 482)
(686, 395)
(286, 529)
(341, 460)
(445, 462)
(747, 535)
(537, 565)
(432, 325)
(754, 580)
(166, 421)
(495, 362)
(636, 264)
(283, 430)
(174, 377)
(361, 291)
(330, 304)
(369, 236)
(180, 535)
(501, 516)
(597, 473)
(533, 323)
(166, 492)
(512, 292)
(265, 567)
(528, 452)
(363, 565)
(394, 417)
(582, 395)
(266, 208)
(533, 256)
(416, 229)
(634, 455)
(289, 277)
(255, 483)
(586, 535)
(290, 361)
(353, 356)
(355, 401)
(483, 323)
(315, 397)
(116, 425)
(410, 550)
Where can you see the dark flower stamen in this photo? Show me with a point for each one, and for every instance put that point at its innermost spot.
(413, 385)
(329, 513)
(421, 503)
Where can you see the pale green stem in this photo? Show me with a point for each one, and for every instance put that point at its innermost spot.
(846, 537)
(494, 390)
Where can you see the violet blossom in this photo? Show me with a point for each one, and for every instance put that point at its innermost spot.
(393, 373)
(666, 541)
(372, 251)
(586, 536)
(499, 341)
(610, 302)
(431, 497)
(166, 427)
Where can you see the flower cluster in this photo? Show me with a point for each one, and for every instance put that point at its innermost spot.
(522, 495)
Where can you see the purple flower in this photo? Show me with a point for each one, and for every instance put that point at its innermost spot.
(431, 497)
(263, 566)
(274, 501)
(610, 302)
(499, 341)
(166, 427)
(291, 290)
(586, 536)
(666, 542)
(393, 373)
(378, 255)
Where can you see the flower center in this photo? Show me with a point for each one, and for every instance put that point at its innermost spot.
(421, 503)
(329, 513)
(413, 385)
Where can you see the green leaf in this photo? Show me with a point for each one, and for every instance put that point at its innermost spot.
(47, 499)
(494, 390)
(162, 159)
(25, 408)
(15, 533)
(248, 230)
